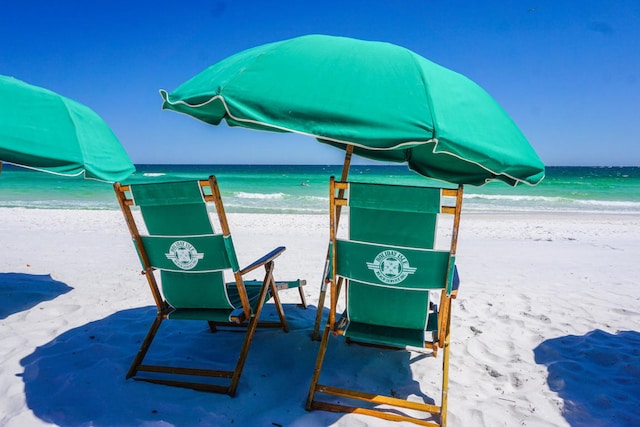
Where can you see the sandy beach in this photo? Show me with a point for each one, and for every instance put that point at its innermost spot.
(546, 329)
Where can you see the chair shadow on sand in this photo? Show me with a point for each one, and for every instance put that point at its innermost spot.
(597, 375)
(78, 378)
(20, 291)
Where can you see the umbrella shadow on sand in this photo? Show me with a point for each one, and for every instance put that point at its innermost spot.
(78, 378)
(597, 375)
(20, 292)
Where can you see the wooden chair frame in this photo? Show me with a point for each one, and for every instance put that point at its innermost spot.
(442, 340)
(245, 316)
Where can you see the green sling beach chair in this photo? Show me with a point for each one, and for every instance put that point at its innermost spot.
(399, 276)
(174, 236)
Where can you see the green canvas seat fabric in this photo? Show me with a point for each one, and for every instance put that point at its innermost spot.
(398, 274)
(185, 215)
(175, 239)
(397, 298)
(392, 337)
(402, 216)
(398, 225)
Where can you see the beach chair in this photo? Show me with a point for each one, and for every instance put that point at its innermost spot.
(398, 286)
(174, 236)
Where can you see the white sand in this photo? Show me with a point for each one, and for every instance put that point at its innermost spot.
(545, 331)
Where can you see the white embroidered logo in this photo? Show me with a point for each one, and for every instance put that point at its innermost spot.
(184, 255)
(391, 267)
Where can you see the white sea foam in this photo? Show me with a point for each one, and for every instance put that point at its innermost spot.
(513, 197)
(243, 195)
(262, 209)
(609, 203)
(317, 199)
(562, 203)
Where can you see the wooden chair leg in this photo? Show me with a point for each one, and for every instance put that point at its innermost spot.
(315, 336)
(278, 304)
(235, 379)
(316, 372)
(142, 352)
(303, 299)
(445, 372)
(323, 294)
(253, 323)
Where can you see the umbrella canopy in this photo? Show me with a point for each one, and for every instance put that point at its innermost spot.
(386, 101)
(42, 130)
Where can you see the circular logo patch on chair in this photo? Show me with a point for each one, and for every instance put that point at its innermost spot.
(391, 267)
(184, 255)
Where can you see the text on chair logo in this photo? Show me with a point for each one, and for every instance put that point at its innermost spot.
(184, 255)
(391, 267)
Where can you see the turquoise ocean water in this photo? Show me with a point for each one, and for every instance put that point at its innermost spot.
(304, 189)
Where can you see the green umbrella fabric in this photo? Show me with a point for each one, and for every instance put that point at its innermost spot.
(42, 130)
(390, 103)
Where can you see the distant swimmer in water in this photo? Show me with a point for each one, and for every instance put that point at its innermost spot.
(304, 184)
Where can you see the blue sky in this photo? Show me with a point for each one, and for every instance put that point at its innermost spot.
(568, 72)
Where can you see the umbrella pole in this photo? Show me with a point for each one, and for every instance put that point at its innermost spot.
(325, 276)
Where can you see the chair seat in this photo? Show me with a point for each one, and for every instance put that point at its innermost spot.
(223, 315)
(390, 336)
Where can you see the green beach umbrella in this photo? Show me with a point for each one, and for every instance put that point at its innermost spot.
(385, 101)
(42, 130)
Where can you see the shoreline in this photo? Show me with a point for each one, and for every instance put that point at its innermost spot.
(467, 212)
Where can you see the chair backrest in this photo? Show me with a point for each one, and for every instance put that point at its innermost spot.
(180, 242)
(388, 257)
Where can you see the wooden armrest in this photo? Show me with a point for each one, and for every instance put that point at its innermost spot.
(285, 285)
(264, 260)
